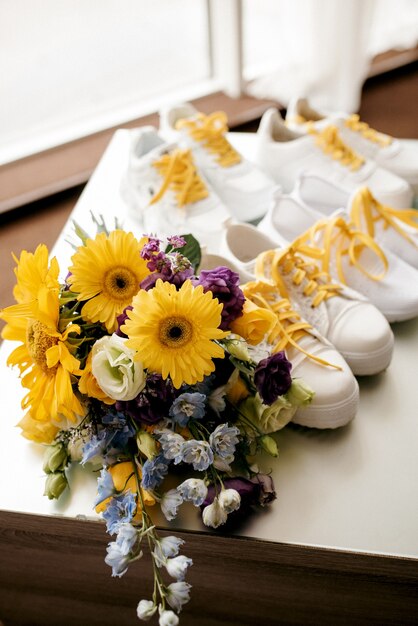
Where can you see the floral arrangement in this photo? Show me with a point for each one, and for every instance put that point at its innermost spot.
(145, 370)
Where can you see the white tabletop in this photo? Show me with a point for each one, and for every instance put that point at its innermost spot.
(350, 489)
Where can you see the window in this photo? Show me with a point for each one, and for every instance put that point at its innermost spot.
(72, 67)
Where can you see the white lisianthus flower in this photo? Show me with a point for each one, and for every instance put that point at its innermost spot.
(268, 419)
(214, 515)
(167, 618)
(177, 567)
(229, 500)
(115, 370)
(178, 594)
(146, 609)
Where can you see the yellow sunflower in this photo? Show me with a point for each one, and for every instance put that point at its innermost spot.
(107, 272)
(173, 331)
(43, 357)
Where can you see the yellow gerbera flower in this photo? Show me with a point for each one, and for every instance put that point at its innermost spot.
(173, 331)
(43, 357)
(107, 272)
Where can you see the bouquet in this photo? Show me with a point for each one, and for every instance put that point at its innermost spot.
(144, 370)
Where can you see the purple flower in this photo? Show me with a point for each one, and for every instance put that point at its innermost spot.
(153, 403)
(267, 491)
(121, 319)
(150, 248)
(176, 242)
(179, 278)
(224, 284)
(272, 377)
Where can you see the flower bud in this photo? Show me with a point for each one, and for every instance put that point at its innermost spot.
(146, 444)
(214, 515)
(237, 347)
(55, 458)
(55, 485)
(269, 445)
(145, 610)
(300, 394)
(229, 500)
(168, 618)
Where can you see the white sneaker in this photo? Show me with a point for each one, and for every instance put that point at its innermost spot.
(395, 155)
(166, 193)
(336, 398)
(284, 154)
(350, 256)
(346, 318)
(245, 189)
(314, 360)
(395, 229)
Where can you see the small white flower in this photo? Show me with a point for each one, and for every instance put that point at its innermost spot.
(168, 618)
(146, 609)
(170, 546)
(229, 500)
(169, 503)
(178, 594)
(115, 370)
(193, 490)
(177, 567)
(214, 515)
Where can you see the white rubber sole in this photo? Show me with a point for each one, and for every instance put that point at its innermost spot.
(372, 362)
(329, 415)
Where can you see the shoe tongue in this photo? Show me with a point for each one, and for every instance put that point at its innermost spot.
(159, 151)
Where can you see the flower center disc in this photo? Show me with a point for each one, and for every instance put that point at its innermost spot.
(120, 283)
(175, 332)
(38, 341)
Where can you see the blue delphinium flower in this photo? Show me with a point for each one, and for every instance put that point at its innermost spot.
(193, 490)
(153, 471)
(223, 441)
(120, 552)
(188, 406)
(171, 444)
(169, 503)
(127, 537)
(105, 487)
(120, 510)
(94, 448)
(198, 453)
(116, 559)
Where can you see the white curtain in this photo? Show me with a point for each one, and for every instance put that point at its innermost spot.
(326, 56)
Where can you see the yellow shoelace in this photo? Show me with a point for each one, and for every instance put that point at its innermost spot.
(341, 239)
(180, 174)
(210, 131)
(355, 124)
(330, 142)
(290, 328)
(366, 210)
(319, 284)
